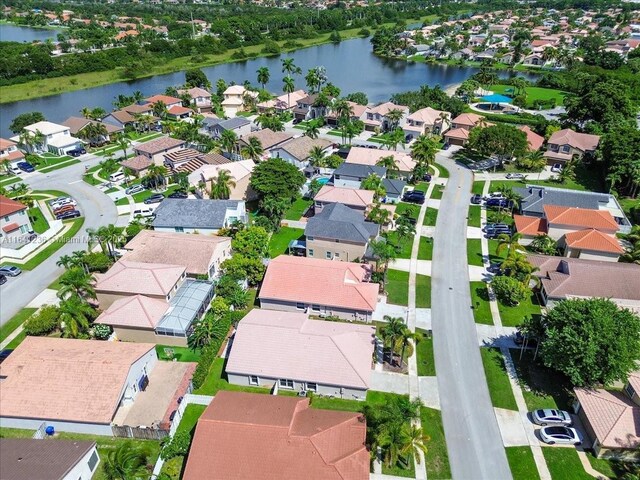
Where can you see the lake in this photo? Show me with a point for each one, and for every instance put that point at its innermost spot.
(16, 33)
(350, 65)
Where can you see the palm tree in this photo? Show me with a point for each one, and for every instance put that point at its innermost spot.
(228, 140)
(289, 67)
(317, 156)
(222, 185)
(253, 149)
(510, 242)
(289, 87)
(390, 332)
(205, 331)
(568, 172)
(263, 76)
(383, 252)
(406, 342)
(112, 236)
(388, 162)
(156, 174)
(75, 316)
(394, 116)
(390, 439)
(392, 139)
(66, 261)
(86, 112)
(160, 109)
(379, 215)
(543, 244)
(123, 142)
(126, 462)
(312, 129)
(137, 96)
(95, 237)
(76, 282)
(374, 182)
(413, 442)
(424, 150)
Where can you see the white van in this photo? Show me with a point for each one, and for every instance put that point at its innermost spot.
(143, 212)
(116, 177)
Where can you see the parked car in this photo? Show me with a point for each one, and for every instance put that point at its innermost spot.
(3, 279)
(15, 169)
(76, 152)
(143, 212)
(134, 189)
(414, 196)
(495, 195)
(63, 208)
(178, 194)
(497, 202)
(10, 271)
(63, 202)
(68, 214)
(551, 416)
(496, 226)
(476, 199)
(155, 198)
(427, 177)
(561, 435)
(557, 167)
(5, 353)
(446, 146)
(26, 167)
(494, 268)
(515, 175)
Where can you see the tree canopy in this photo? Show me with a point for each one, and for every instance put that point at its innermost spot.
(277, 178)
(502, 140)
(25, 119)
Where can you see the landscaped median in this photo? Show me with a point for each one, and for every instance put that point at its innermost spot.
(497, 379)
(436, 459)
(474, 219)
(480, 303)
(474, 252)
(522, 464)
(424, 355)
(397, 287)
(430, 217)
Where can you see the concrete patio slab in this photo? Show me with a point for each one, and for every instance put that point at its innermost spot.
(511, 428)
(383, 308)
(389, 382)
(429, 392)
(478, 274)
(423, 318)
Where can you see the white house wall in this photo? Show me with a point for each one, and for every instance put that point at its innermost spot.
(82, 471)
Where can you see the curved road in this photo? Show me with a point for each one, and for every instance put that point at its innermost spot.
(473, 439)
(98, 210)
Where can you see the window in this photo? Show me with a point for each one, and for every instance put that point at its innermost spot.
(285, 383)
(312, 386)
(328, 255)
(315, 308)
(566, 148)
(300, 306)
(310, 252)
(6, 219)
(630, 390)
(93, 460)
(179, 230)
(337, 255)
(310, 239)
(24, 229)
(253, 380)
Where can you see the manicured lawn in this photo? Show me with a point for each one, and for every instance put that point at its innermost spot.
(493, 256)
(424, 353)
(15, 321)
(17, 340)
(423, 291)
(397, 287)
(38, 222)
(297, 209)
(523, 466)
(444, 173)
(603, 465)
(403, 246)
(51, 249)
(480, 303)
(542, 386)
(533, 93)
(217, 380)
(280, 241)
(564, 464)
(425, 249)
(513, 316)
(430, 216)
(400, 469)
(190, 418)
(437, 191)
(474, 252)
(58, 166)
(437, 459)
(408, 209)
(627, 204)
(422, 186)
(497, 379)
(477, 187)
(181, 354)
(474, 216)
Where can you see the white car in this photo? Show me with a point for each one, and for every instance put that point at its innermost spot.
(134, 189)
(550, 416)
(557, 167)
(63, 201)
(560, 435)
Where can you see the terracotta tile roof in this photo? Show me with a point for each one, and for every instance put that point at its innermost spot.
(580, 217)
(614, 418)
(136, 311)
(535, 141)
(135, 108)
(10, 227)
(371, 156)
(137, 163)
(15, 155)
(76, 124)
(581, 141)
(196, 92)
(461, 133)
(123, 116)
(167, 100)
(531, 226)
(321, 282)
(352, 197)
(9, 206)
(384, 108)
(129, 277)
(327, 353)
(593, 240)
(4, 143)
(67, 379)
(159, 145)
(467, 119)
(178, 110)
(429, 116)
(244, 436)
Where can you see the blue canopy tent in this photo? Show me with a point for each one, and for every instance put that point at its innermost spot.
(496, 99)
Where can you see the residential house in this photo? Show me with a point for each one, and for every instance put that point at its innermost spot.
(563, 278)
(297, 150)
(178, 112)
(354, 198)
(201, 255)
(25, 459)
(188, 160)
(14, 222)
(534, 140)
(155, 150)
(457, 136)
(240, 172)
(9, 153)
(318, 286)
(200, 98)
(460, 128)
(357, 113)
(565, 145)
(611, 419)
(268, 140)
(166, 99)
(215, 126)
(89, 387)
(120, 119)
(283, 103)
(78, 124)
(326, 358)
(372, 156)
(591, 244)
(202, 216)
(138, 164)
(351, 175)
(50, 137)
(394, 189)
(339, 233)
(533, 60)
(273, 436)
(305, 108)
(426, 121)
(562, 220)
(234, 99)
(377, 117)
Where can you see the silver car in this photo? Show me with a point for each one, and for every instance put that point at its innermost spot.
(560, 435)
(134, 189)
(550, 416)
(10, 271)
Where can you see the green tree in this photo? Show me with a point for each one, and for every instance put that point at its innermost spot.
(312, 129)
(228, 141)
(502, 140)
(277, 178)
(358, 97)
(126, 462)
(206, 330)
(25, 119)
(220, 186)
(509, 290)
(374, 182)
(75, 317)
(263, 76)
(391, 331)
(252, 242)
(195, 77)
(543, 244)
(388, 162)
(240, 267)
(253, 149)
(75, 282)
(424, 150)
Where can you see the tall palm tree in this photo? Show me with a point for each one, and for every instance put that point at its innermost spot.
(123, 143)
(394, 116)
(126, 462)
(205, 331)
(253, 149)
(290, 68)
(86, 112)
(312, 129)
(406, 342)
(288, 87)
(75, 316)
(424, 150)
(76, 282)
(388, 162)
(383, 252)
(228, 141)
(412, 442)
(156, 174)
(374, 182)
(221, 185)
(113, 237)
(263, 76)
(390, 439)
(510, 242)
(390, 332)
(66, 261)
(160, 109)
(317, 156)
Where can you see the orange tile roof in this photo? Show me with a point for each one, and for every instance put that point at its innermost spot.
(129, 277)
(530, 225)
(9, 206)
(535, 141)
(137, 311)
(580, 217)
(461, 133)
(10, 227)
(593, 240)
(167, 100)
(468, 119)
(250, 436)
(321, 282)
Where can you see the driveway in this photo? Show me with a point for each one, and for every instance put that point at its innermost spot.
(471, 430)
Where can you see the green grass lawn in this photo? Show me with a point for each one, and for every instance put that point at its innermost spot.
(58, 166)
(437, 459)
(474, 216)
(403, 246)
(480, 303)
(217, 380)
(444, 173)
(400, 469)
(513, 316)
(604, 465)
(15, 321)
(437, 191)
(423, 291)
(397, 287)
(493, 256)
(422, 186)
(424, 353)
(497, 379)
(297, 209)
(280, 241)
(534, 93)
(425, 249)
(181, 354)
(564, 464)
(408, 209)
(38, 222)
(477, 187)
(173, 467)
(430, 216)
(523, 466)
(542, 387)
(474, 252)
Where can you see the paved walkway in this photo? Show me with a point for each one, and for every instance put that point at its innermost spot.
(389, 382)
(404, 264)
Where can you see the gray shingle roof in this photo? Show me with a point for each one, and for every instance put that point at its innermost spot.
(337, 221)
(393, 186)
(192, 213)
(535, 198)
(359, 171)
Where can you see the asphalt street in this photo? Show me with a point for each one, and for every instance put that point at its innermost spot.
(471, 430)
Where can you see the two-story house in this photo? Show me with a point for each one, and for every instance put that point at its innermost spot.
(9, 153)
(426, 120)
(351, 175)
(354, 198)
(297, 150)
(14, 222)
(283, 103)
(234, 99)
(566, 145)
(381, 117)
(306, 109)
(200, 98)
(48, 137)
(194, 215)
(78, 125)
(460, 128)
(216, 126)
(357, 113)
(155, 150)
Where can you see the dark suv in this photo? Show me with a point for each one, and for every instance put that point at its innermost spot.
(76, 152)
(414, 196)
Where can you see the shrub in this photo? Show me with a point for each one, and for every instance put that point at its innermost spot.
(177, 446)
(204, 364)
(509, 290)
(43, 322)
(240, 267)
(97, 261)
(101, 331)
